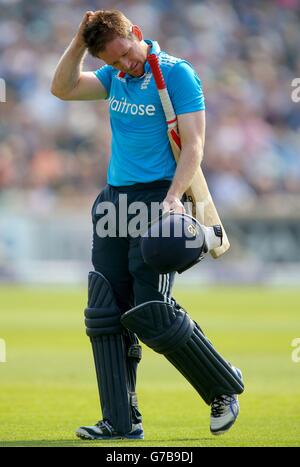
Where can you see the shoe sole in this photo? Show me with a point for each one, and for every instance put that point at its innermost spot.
(95, 438)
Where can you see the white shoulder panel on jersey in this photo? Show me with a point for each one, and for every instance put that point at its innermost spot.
(168, 60)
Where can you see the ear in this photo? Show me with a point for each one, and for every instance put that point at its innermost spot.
(137, 32)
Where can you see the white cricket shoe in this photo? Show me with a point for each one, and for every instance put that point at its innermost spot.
(104, 430)
(224, 411)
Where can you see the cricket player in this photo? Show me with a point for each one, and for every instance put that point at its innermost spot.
(127, 299)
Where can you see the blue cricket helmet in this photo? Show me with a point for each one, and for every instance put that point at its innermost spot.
(173, 242)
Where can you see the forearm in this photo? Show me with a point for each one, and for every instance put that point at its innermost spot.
(68, 70)
(189, 161)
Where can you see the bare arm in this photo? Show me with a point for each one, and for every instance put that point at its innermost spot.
(69, 81)
(192, 134)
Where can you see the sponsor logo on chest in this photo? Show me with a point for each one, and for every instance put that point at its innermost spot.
(124, 107)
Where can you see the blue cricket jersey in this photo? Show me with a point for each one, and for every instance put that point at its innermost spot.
(140, 151)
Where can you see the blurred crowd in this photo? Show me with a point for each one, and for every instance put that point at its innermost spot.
(246, 53)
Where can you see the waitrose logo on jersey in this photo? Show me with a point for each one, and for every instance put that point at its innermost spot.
(124, 107)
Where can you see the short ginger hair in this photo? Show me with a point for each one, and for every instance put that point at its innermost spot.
(103, 27)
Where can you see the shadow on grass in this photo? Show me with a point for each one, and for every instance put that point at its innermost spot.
(99, 443)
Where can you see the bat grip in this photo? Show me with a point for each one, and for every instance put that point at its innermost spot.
(156, 71)
(162, 90)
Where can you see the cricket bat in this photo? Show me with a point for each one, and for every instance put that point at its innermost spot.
(203, 208)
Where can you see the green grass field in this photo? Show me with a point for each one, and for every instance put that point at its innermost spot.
(48, 388)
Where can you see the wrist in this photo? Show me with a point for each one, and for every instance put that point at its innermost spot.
(172, 193)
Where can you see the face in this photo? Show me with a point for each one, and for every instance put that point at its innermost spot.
(128, 55)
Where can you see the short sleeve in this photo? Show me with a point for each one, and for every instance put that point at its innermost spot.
(104, 74)
(185, 89)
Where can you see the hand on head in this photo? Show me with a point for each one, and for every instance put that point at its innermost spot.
(86, 19)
